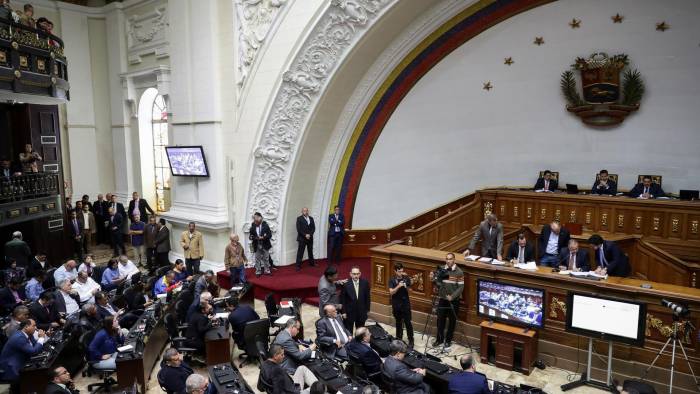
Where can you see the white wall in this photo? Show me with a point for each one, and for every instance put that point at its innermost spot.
(448, 136)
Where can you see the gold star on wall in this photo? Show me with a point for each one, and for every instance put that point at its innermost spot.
(487, 86)
(575, 23)
(662, 26)
(538, 41)
(508, 61)
(617, 18)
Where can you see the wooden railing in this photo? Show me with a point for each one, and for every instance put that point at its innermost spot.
(446, 228)
(28, 186)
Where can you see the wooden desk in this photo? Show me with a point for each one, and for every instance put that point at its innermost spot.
(218, 346)
(137, 367)
(504, 340)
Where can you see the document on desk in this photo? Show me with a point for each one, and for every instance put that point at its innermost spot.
(497, 262)
(283, 319)
(530, 265)
(589, 274)
(472, 257)
(485, 259)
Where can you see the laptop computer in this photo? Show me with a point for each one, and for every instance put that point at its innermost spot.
(689, 194)
(571, 188)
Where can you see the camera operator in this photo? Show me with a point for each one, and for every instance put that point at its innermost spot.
(400, 303)
(450, 282)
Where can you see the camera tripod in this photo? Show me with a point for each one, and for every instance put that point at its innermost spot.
(676, 340)
(433, 314)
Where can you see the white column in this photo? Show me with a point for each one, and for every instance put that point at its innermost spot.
(195, 102)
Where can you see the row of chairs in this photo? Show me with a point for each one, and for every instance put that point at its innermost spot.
(614, 177)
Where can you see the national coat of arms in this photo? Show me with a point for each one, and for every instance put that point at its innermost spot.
(606, 100)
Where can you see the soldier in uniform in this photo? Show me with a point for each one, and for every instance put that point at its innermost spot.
(450, 281)
(400, 304)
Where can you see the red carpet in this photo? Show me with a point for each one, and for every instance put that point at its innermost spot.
(286, 282)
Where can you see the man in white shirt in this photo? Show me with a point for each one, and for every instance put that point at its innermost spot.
(65, 293)
(126, 267)
(86, 287)
(88, 266)
(66, 271)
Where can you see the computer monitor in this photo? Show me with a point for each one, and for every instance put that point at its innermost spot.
(606, 318)
(571, 188)
(689, 194)
(512, 304)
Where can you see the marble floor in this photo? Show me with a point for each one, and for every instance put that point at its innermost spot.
(550, 379)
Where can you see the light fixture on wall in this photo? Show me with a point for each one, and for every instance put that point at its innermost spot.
(538, 41)
(508, 61)
(575, 23)
(617, 18)
(488, 86)
(662, 27)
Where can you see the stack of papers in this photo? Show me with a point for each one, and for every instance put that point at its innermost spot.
(589, 274)
(283, 319)
(472, 257)
(497, 262)
(485, 259)
(530, 265)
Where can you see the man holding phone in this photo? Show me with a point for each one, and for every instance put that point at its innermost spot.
(400, 303)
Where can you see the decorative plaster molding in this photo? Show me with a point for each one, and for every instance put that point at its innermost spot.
(157, 77)
(339, 28)
(255, 20)
(148, 33)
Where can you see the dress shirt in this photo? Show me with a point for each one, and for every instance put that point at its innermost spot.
(356, 284)
(109, 276)
(36, 338)
(85, 267)
(337, 228)
(553, 243)
(71, 305)
(86, 220)
(136, 208)
(339, 332)
(85, 289)
(33, 289)
(61, 273)
(128, 269)
(572, 261)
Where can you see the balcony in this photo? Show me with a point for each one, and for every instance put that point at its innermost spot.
(32, 65)
(29, 196)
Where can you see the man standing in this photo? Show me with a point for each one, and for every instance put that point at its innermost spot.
(88, 226)
(117, 206)
(520, 250)
(327, 292)
(99, 209)
(647, 189)
(260, 234)
(139, 206)
(546, 183)
(611, 260)
(136, 230)
(355, 298)
(17, 249)
(115, 233)
(604, 185)
(76, 234)
(306, 227)
(193, 248)
(234, 260)
(150, 240)
(336, 230)
(400, 303)
(450, 288)
(573, 258)
(553, 238)
(162, 244)
(490, 232)
(468, 382)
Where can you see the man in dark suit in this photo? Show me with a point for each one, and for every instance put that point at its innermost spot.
(11, 296)
(117, 206)
(115, 233)
(44, 312)
(173, 372)
(140, 206)
(553, 238)
(19, 349)
(260, 234)
(73, 228)
(521, 251)
(162, 244)
(490, 232)
(37, 264)
(99, 209)
(332, 334)
(293, 356)
(360, 348)
(647, 189)
(355, 298)
(238, 318)
(336, 231)
(574, 259)
(546, 183)
(604, 185)
(611, 260)
(17, 249)
(403, 379)
(198, 325)
(469, 381)
(61, 382)
(274, 377)
(306, 227)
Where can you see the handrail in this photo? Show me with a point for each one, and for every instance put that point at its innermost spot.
(443, 218)
(30, 29)
(28, 186)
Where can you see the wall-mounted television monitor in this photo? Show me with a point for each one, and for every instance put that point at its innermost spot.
(187, 161)
(512, 304)
(606, 318)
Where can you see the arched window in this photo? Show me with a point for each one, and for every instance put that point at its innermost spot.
(153, 137)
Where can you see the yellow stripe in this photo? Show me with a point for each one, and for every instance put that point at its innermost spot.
(343, 168)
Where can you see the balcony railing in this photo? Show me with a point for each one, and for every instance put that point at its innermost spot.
(32, 61)
(28, 186)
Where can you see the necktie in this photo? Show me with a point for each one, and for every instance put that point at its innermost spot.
(572, 261)
(520, 255)
(75, 226)
(546, 185)
(339, 330)
(646, 190)
(357, 289)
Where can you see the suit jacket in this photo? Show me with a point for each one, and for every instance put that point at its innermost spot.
(355, 307)
(618, 263)
(468, 383)
(403, 378)
(198, 325)
(195, 245)
(162, 241)
(265, 232)
(70, 229)
(143, 207)
(149, 235)
(655, 190)
(582, 260)
(553, 184)
(7, 299)
(327, 294)
(42, 316)
(276, 377)
(610, 188)
(542, 240)
(325, 335)
(35, 267)
(304, 228)
(332, 222)
(120, 209)
(238, 319)
(370, 360)
(99, 209)
(92, 225)
(513, 251)
(488, 241)
(19, 250)
(53, 388)
(103, 312)
(293, 356)
(173, 378)
(115, 224)
(16, 353)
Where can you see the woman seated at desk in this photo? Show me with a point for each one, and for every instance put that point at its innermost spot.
(102, 351)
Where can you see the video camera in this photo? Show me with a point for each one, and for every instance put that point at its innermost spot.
(440, 274)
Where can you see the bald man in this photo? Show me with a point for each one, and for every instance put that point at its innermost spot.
(306, 227)
(234, 260)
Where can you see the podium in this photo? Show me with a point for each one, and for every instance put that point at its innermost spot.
(509, 347)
